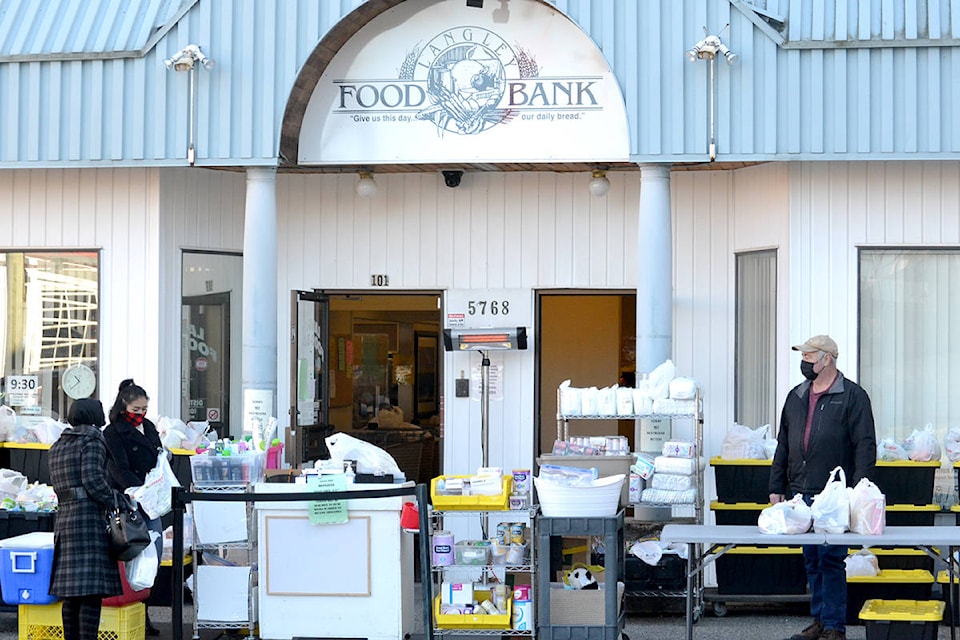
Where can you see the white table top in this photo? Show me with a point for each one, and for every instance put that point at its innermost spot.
(942, 536)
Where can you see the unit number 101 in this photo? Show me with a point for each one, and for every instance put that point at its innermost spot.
(492, 307)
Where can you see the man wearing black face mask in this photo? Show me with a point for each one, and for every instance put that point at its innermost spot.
(827, 421)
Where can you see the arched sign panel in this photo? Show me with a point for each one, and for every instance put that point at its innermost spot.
(440, 82)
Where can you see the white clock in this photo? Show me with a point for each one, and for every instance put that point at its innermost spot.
(78, 381)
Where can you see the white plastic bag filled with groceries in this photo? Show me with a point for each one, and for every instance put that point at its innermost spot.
(868, 509)
(831, 507)
(791, 516)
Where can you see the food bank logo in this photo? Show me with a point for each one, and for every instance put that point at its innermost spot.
(467, 80)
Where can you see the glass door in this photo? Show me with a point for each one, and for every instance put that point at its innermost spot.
(309, 391)
(205, 359)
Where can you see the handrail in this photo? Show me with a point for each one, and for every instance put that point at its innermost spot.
(181, 497)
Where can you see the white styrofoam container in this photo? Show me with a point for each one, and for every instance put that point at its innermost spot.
(600, 499)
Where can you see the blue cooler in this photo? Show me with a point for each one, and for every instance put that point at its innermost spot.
(26, 562)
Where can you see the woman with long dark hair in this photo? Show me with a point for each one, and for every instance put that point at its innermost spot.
(133, 443)
(83, 573)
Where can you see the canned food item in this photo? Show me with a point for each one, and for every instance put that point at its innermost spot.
(443, 552)
(523, 616)
(503, 534)
(517, 533)
(489, 607)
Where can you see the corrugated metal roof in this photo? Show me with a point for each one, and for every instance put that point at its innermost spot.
(855, 23)
(84, 29)
(802, 100)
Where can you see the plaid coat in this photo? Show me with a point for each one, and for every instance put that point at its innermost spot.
(81, 565)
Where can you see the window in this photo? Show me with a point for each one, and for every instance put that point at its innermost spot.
(910, 338)
(50, 322)
(755, 366)
(211, 309)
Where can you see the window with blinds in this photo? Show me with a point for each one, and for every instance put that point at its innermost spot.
(755, 357)
(909, 312)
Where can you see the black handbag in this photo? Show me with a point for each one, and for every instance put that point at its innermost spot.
(127, 533)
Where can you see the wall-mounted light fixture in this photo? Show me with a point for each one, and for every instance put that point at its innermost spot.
(186, 60)
(366, 186)
(599, 183)
(707, 49)
(476, 4)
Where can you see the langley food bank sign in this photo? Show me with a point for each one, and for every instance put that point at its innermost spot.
(418, 84)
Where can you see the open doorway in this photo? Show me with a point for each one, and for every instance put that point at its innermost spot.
(369, 365)
(589, 338)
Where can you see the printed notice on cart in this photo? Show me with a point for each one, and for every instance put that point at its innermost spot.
(495, 386)
(327, 511)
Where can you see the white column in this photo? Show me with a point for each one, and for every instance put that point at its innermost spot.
(260, 297)
(655, 264)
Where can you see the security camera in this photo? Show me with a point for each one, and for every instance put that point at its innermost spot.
(452, 178)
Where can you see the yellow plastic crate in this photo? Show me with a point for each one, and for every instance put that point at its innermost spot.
(45, 622)
(500, 502)
(903, 610)
(473, 621)
(896, 576)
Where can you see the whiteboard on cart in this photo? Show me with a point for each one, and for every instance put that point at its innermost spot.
(304, 559)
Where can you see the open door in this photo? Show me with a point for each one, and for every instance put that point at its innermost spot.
(309, 391)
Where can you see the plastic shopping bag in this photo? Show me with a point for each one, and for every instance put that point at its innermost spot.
(922, 446)
(369, 458)
(154, 495)
(831, 507)
(792, 516)
(742, 442)
(142, 570)
(861, 563)
(868, 508)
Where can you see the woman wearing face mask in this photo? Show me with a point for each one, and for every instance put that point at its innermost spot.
(133, 443)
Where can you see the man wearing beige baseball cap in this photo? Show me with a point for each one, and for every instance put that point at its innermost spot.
(826, 422)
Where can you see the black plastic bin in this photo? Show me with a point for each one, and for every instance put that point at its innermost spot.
(911, 515)
(741, 480)
(15, 523)
(906, 481)
(669, 574)
(901, 619)
(761, 570)
(737, 513)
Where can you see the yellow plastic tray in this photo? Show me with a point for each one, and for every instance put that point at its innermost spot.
(717, 461)
(473, 621)
(737, 506)
(499, 502)
(896, 576)
(903, 610)
(25, 445)
(908, 464)
(766, 550)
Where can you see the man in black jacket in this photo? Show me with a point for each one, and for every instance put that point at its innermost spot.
(827, 421)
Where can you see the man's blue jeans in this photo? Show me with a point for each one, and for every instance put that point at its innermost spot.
(827, 576)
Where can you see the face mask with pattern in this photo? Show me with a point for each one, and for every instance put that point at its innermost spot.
(136, 419)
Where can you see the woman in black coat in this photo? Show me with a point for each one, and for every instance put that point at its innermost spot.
(83, 573)
(133, 443)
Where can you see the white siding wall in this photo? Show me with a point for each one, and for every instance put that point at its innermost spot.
(200, 209)
(115, 211)
(838, 207)
(518, 230)
(717, 214)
